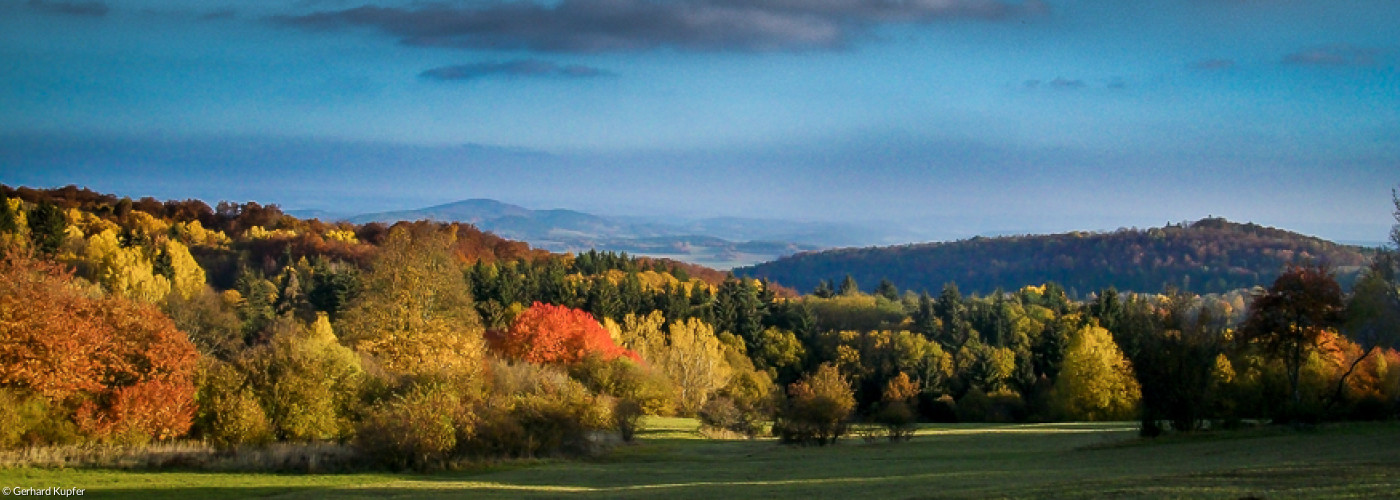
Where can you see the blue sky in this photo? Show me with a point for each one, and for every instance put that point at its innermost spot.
(953, 117)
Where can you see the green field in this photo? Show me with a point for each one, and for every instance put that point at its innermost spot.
(943, 461)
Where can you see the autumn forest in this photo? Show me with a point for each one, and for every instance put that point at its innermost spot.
(428, 345)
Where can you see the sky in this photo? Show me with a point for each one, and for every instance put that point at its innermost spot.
(941, 118)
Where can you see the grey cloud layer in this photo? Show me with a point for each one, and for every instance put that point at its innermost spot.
(633, 25)
(517, 68)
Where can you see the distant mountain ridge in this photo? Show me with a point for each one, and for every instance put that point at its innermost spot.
(1209, 255)
(722, 242)
(470, 211)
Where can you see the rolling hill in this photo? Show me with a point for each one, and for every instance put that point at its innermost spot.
(1210, 255)
(715, 242)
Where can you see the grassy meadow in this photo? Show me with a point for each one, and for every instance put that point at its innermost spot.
(943, 461)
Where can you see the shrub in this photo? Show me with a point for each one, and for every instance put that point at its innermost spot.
(418, 429)
(895, 412)
(141, 412)
(22, 418)
(535, 410)
(721, 413)
(743, 404)
(816, 409)
(627, 418)
(938, 408)
(308, 382)
(974, 406)
(898, 420)
(1006, 406)
(624, 378)
(228, 411)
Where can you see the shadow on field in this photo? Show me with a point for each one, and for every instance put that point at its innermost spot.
(214, 492)
(1050, 461)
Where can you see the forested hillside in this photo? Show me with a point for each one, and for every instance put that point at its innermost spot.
(1207, 256)
(425, 344)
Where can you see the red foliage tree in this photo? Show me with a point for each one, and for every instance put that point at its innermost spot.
(1288, 319)
(547, 333)
(123, 365)
(474, 245)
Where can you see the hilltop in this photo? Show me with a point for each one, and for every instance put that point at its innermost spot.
(1205, 256)
(721, 242)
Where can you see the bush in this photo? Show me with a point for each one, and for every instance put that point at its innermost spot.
(743, 405)
(721, 413)
(816, 409)
(536, 410)
(940, 408)
(417, 430)
(1006, 406)
(229, 413)
(23, 420)
(625, 378)
(898, 420)
(140, 413)
(1001, 406)
(895, 413)
(627, 418)
(974, 406)
(307, 381)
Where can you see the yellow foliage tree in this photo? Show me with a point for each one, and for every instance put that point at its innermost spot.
(18, 235)
(309, 382)
(194, 234)
(1097, 382)
(87, 223)
(188, 278)
(645, 336)
(147, 227)
(695, 362)
(259, 233)
(342, 235)
(126, 272)
(416, 316)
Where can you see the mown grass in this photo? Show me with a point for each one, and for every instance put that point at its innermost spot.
(943, 461)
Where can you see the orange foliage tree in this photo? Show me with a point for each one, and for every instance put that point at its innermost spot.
(122, 366)
(1288, 319)
(547, 333)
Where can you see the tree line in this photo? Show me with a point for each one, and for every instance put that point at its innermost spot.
(424, 343)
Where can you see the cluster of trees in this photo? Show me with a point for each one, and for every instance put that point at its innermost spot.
(1211, 255)
(424, 342)
(304, 331)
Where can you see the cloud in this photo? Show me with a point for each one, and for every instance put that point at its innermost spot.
(1333, 55)
(85, 9)
(516, 68)
(1213, 65)
(636, 25)
(1063, 83)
